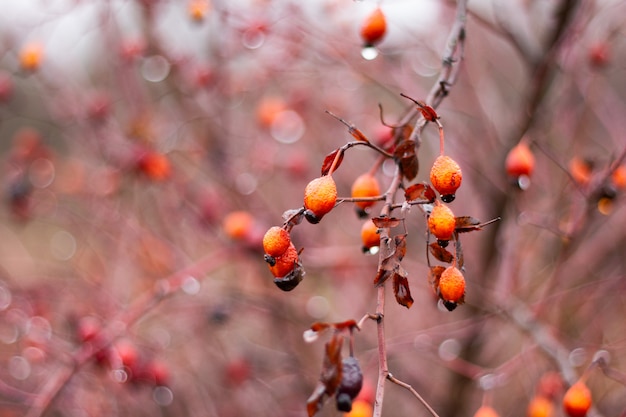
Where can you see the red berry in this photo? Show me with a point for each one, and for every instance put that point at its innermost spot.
(520, 161)
(374, 27)
(577, 400)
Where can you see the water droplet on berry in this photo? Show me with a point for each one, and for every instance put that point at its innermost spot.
(369, 53)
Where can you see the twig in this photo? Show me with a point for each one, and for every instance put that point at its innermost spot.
(140, 307)
(415, 393)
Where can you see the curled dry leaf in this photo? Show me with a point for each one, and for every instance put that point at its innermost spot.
(464, 224)
(329, 159)
(401, 288)
(386, 222)
(439, 253)
(420, 192)
(428, 112)
(434, 275)
(406, 157)
(293, 217)
(400, 242)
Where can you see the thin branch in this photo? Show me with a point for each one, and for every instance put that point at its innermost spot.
(415, 393)
(140, 307)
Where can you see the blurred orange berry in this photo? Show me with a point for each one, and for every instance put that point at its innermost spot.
(155, 166)
(198, 9)
(360, 408)
(540, 406)
(486, 411)
(268, 110)
(285, 263)
(580, 170)
(374, 27)
(452, 285)
(577, 400)
(618, 177)
(446, 177)
(31, 56)
(442, 223)
(520, 161)
(320, 196)
(369, 235)
(365, 185)
(276, 241)
(238, 224)
(550, 385)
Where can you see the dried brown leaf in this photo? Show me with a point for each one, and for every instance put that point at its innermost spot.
(401, 288)
(467, 224)
(381, 276)
(405, 156)
(434, 275)
(400, 242)
(428, 112)
(386, 222)
(328, 161)
(439, 253)
(420, 192)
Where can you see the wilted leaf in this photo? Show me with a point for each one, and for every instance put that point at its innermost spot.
(434, 275)
(348, 324)
(466, 224)
(405, 156)
(386, 222)
(330, 377)
(441, 254)
(328, 161)
(428, 112)
(400, 242)
(421, 192)
(293, 217)
(401, 288)
(381, 276)
(319, 326)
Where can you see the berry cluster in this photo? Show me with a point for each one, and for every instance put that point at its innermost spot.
(385, 234)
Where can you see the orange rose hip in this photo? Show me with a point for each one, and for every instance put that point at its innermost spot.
(374, 28)
(577, 400)
(369, 235)
(442, 223)
(365, 185)
(452, 287)
(276, 241)
(285, 263)
(446, 177)
(320, 196)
